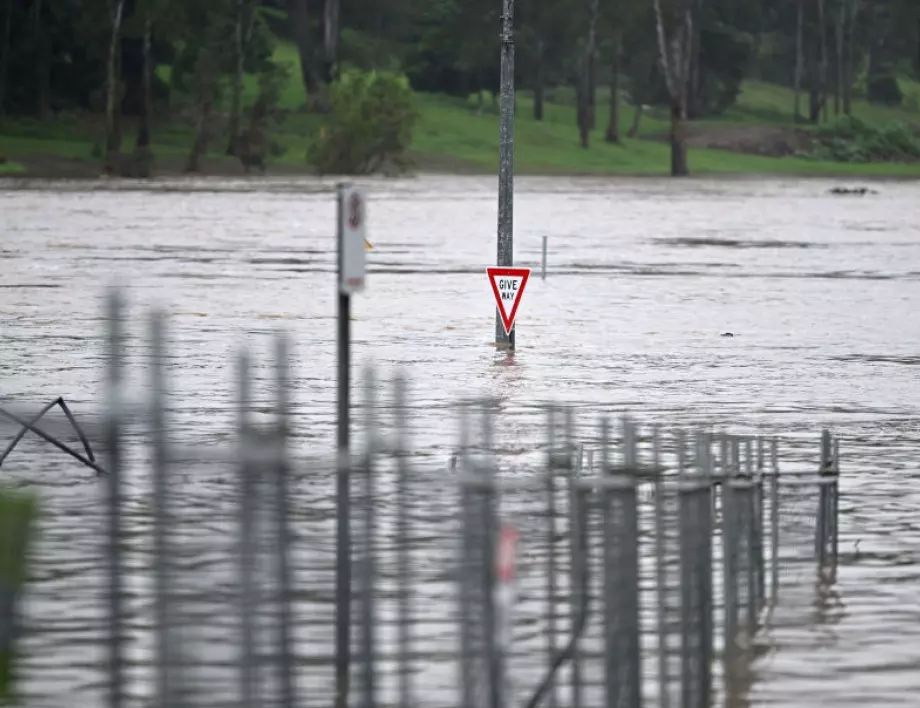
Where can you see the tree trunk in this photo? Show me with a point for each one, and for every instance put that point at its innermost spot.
(678, 141)
(143, 158)
(822, 72)
(206, 76)
(917, 51)
(871, 48)
(799, 51)
(143, 123)
(840, 21)
(849, 53)
(299, 17)
(330, 39)
(112, 138)
(637, 118)
(676, 68)
(613, 127)
(41, 63)
(538, 88)
(581, 111)
(5, 51)
(694, 106)
(236, 97)
(814, 90)
(591, 66)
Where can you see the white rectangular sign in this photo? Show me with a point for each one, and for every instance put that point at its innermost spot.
(352, 235)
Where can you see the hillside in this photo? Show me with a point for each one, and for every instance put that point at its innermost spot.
(452, 135)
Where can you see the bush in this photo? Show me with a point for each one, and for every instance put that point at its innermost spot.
(369, 127)
(17, 529)
(849, 139)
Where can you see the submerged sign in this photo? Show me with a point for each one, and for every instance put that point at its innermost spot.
(508, 287)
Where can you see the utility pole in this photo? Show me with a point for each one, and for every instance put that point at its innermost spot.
(506, 162)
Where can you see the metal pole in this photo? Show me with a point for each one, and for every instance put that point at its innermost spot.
(248, 657)
(774, 523)
(551, 546)
(403, 564)
(367, 568)
(506, 161)
(282, 512)
(661, 577)
(161, 521)
(543, 269)
(113, 435)
(342, 490)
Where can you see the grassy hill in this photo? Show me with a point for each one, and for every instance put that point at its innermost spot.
(453, 136)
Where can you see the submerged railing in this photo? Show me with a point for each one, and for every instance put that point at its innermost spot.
(630, 568)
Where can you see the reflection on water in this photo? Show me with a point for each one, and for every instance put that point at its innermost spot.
(643, 276)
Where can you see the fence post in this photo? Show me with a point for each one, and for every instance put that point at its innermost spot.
(466, 572)
(578, 568)
(661, 573)
(113, 437)
(695, 567)
(551, 460)
(162, 521)
(249, 679)
(488, 521)
(403, 564)
(368, 569)
(282, 514)
(622, 674)
(774, 522)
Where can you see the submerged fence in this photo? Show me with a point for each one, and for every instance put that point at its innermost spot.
(631, 567)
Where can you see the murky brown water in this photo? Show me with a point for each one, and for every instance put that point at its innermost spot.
(821, 291)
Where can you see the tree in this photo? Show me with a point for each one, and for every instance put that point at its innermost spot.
(613, 125)
(142, 153)
(330, 39)
(674, 56)
(242, 34)
(849, 54)
(369, 127)
(112, 137)
(822, 29)
(5, 45)
(587, 80)
(206, 86)
(299, 18)
(799, 51)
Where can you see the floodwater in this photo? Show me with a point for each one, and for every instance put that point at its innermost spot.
(821, 292)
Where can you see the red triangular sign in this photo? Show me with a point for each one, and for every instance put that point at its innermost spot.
(508, 287)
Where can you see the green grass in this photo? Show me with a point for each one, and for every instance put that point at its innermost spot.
(452, 134)
(449, 127)
(11, 168)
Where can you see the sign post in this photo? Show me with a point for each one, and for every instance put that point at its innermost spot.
(504, 335)
(351, 231)
(504, 598)
(508, 287)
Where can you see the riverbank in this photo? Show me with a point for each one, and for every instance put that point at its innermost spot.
(755, 136)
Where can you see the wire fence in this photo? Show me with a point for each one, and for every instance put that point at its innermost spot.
(636, 567)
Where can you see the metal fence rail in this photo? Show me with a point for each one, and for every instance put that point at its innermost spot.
(635, 568)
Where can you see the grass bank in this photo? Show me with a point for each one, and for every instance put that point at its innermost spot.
(453, 135)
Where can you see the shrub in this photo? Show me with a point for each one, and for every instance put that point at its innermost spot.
(369, 127)
(849, 139)
(17, 529)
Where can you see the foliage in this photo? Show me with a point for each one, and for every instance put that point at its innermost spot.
(725, 53)
(849, 139)
(257, 141)
(17, 519)
(369, 127)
